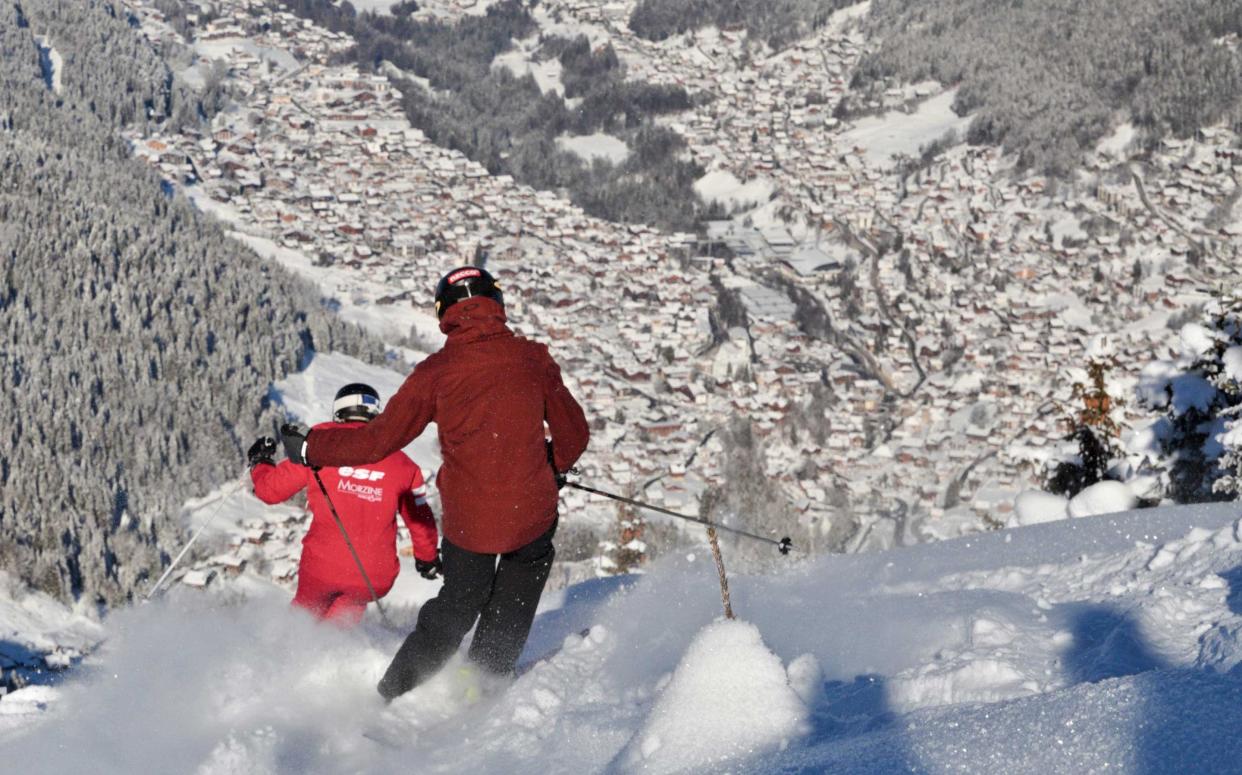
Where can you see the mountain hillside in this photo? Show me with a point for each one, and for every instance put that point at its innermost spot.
(137, 344)
(1048, 80)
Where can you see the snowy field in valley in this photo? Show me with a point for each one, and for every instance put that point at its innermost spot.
(897, 133)
(724, 187)
(373, 6)
(598, 145)
(224, 48)
(1104, 644)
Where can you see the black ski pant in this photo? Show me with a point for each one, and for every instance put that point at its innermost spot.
(500, 591)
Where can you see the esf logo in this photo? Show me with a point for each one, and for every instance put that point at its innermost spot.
(361, 474)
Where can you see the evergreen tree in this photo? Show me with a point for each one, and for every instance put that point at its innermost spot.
(1228, 381)
(1094, 430)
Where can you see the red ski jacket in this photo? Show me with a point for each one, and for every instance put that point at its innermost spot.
(489, 393)
(367, 500)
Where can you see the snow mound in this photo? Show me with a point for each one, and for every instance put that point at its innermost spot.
(1102, 498)
(980, 680)
(1036, 506)
(1196, 340)
(24, 707)
(730, 696)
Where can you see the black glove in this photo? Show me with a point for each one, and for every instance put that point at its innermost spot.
(262, 451)
(294, 438)
(429, 569)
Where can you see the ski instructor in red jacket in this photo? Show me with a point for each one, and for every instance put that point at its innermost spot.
(491, 394)
(367, 500)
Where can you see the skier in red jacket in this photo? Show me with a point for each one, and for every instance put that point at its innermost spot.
(490, 393)
(330, 585)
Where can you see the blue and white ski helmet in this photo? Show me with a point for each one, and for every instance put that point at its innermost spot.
(355, 401)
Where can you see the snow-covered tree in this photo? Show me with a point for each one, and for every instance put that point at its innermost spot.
(1199, 395)
(1228, 381)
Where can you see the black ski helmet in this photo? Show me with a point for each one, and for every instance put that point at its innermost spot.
(465, 282)
(355, 401)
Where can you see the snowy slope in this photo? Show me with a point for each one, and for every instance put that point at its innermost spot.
(39, 638)
(1091, 645)
(353, 296)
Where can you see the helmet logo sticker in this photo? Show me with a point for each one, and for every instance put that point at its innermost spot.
(462, 274)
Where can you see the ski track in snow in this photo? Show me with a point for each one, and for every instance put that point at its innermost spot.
(1104, 644)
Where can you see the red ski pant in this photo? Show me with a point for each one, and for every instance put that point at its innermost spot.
(338, 600)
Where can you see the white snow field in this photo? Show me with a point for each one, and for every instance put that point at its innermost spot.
(595, 146)
(1101, 644)
(724, 187)
(898, 133)
(520, 61)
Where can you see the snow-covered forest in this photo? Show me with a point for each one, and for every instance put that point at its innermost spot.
(1046, 80)
(138, 342)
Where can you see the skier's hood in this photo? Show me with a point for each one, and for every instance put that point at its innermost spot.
(472, 319)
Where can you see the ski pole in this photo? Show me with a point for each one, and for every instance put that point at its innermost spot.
(193, 538)
(784, 545)
(350, 545)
